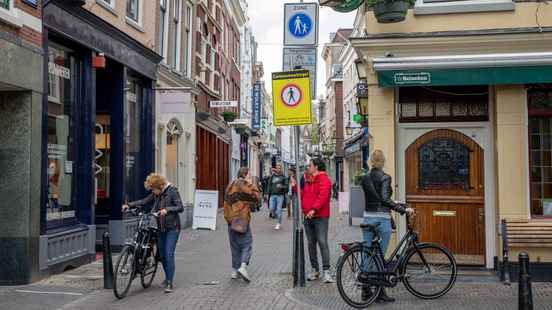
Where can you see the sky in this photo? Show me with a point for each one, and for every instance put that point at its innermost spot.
(266, 19)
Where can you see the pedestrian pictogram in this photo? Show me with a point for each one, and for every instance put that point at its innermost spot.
(300, 25)
(291, 98)
(291, 95)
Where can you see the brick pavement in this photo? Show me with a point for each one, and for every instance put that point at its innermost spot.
(202, 280)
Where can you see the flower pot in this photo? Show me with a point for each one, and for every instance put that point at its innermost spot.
(229, 117)
(391, 11)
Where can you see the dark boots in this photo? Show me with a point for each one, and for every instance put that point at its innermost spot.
(383, 298)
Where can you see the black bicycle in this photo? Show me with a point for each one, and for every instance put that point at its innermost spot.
(138, 257)
(427, 270)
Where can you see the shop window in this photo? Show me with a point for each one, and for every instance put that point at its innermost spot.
(444, 104)
(540, 150)
(444, 164)
(134, 185)
(61, 79)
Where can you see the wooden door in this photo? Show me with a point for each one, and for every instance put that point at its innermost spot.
(445, 184)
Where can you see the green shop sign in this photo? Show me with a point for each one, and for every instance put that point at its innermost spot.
(466, 76)
(342, 6)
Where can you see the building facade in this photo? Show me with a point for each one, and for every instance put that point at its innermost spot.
(21, 100)
(461, 105)
(175, 92)
(217, 75)
(90, 143)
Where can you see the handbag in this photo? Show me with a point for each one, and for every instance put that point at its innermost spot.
(239, 225)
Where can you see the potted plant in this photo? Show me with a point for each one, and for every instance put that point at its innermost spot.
(390, 11)
(228, 116)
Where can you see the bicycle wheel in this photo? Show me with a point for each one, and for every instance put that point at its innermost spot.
(429, 271)
(353, 272)
(124, 272)
(149, 267)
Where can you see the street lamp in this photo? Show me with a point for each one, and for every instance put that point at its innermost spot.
(361, 69)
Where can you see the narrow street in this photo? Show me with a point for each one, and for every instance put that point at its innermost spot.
(203, 282)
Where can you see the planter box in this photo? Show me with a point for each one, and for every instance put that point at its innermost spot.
(391, 11)
(356, 203)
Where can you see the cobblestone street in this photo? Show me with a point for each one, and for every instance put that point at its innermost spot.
(203, 281)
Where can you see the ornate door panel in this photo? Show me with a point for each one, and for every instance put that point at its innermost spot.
(444, 182)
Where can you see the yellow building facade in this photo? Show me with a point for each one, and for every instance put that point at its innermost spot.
(460, 101)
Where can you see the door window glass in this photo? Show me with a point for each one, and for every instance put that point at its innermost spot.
(540, 151)
(61, 78)
(134, 185)
(444, 164)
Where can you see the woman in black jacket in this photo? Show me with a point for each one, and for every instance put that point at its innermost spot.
(377, 192)
(166, 200)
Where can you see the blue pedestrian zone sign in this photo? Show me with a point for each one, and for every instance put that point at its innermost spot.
(300, 25)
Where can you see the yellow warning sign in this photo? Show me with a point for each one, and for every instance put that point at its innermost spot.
(291, 98)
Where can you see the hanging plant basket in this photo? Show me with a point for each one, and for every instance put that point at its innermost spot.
(228, 116)
(387, 12)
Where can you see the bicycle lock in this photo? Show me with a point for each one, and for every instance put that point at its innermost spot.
(525, 292)
(107, 261)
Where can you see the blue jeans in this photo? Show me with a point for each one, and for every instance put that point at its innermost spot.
(384, 230)
(167, 246)
(241, 246)
(275, 204)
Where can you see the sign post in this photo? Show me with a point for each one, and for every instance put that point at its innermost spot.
(292, 106)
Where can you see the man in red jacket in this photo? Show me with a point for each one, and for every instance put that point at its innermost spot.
(315, 199)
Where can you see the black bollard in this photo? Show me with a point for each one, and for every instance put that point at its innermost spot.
(301, 260)
(107, 261)
(525, 292)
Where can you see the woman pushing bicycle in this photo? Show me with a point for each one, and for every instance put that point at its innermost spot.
(166, 200)
(377, 192)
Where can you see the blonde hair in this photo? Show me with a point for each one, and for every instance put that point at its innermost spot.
(155, 181)
(243, 172)
(377, 159)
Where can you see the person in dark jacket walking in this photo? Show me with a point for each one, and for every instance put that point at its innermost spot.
(166, 200)
(315, 202)
(278, 185)
(378, 205)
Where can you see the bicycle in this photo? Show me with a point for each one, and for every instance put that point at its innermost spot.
(140, 256)
(362, 271)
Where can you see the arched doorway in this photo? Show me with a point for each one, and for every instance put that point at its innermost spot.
(173, 134)
(445, 183)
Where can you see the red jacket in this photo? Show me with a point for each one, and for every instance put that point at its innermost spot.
(316, 195)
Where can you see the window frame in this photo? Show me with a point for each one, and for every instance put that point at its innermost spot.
(164, 8)
(138, 21)
(189, 39)
(538, 114)
(177, 36)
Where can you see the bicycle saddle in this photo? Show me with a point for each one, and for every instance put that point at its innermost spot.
(370, 227)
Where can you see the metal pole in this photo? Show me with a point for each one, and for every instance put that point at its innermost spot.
(107, 262)
(525, 292)
(299, 255)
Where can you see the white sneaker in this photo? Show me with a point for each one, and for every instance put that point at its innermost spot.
(328, 277)
(234, 274)
(243, 272)
(277, 227)
(313, 275)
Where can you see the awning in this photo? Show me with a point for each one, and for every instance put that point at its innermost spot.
(487, 69)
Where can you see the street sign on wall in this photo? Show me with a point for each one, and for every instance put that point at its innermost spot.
(301, 24)
(291, 98)
(256, 107)
(223, 104)
(305, 58)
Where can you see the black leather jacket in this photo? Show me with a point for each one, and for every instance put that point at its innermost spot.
(168, 200)
(378, 195)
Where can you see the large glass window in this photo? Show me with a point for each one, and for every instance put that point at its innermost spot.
(540, 150)
(177, 35)
(163, 6)
(134, 185)
(444, 164)
(5, 4)
(61, 78)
